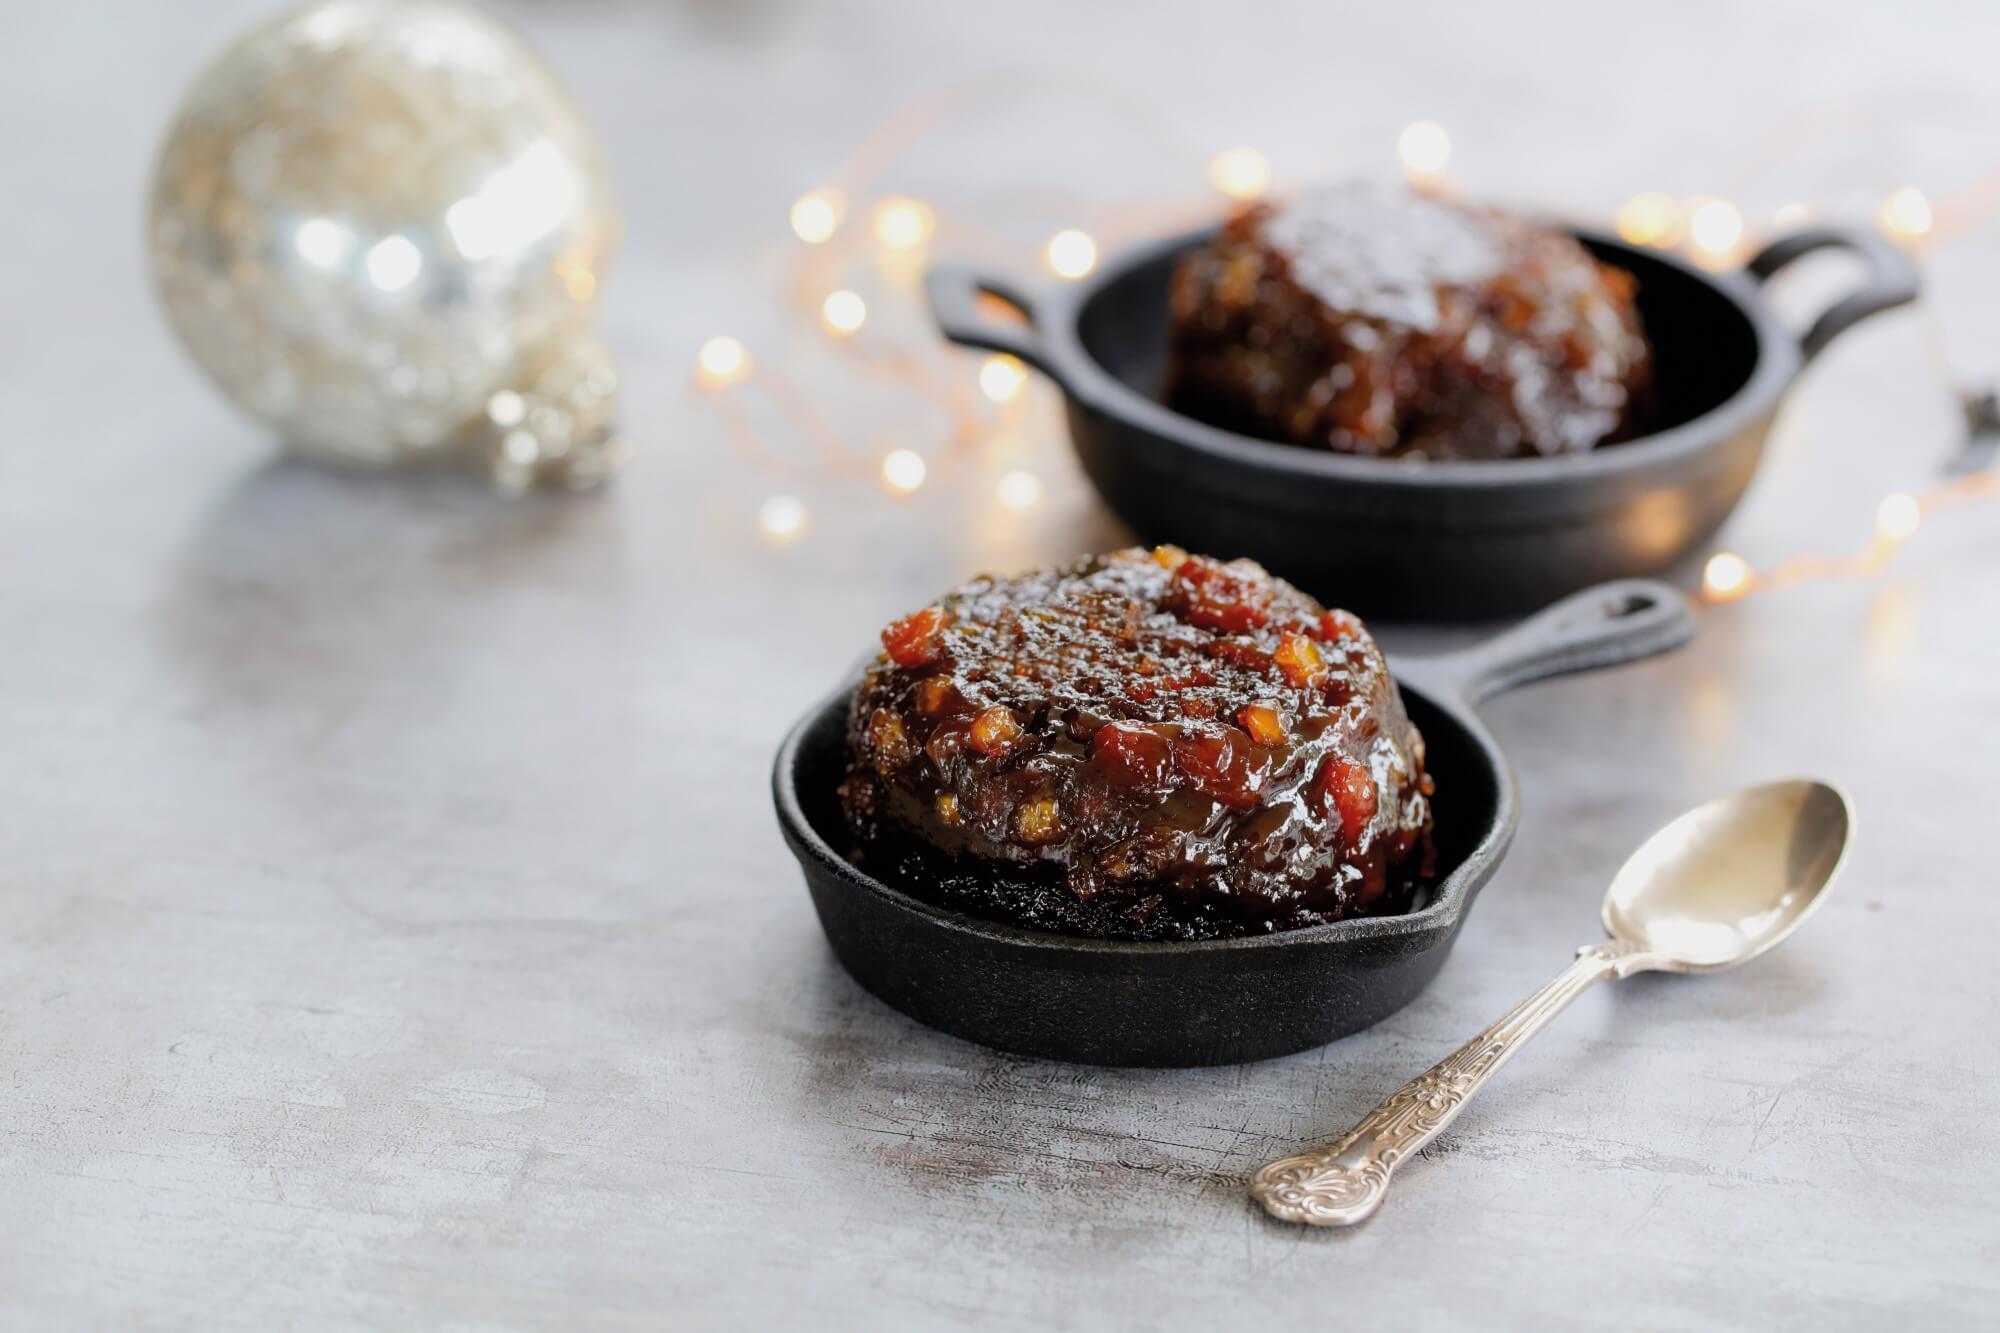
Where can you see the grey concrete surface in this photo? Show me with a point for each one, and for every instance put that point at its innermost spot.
(393, 929)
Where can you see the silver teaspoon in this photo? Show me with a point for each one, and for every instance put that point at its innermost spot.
(1716, 887)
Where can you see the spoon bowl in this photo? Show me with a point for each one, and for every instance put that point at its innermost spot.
(1729, 879)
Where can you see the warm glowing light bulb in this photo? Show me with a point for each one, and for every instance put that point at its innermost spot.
(1716, 226)
(322, 242)
(722, 362)
(1906, 214)
(903, 224)
(816, 216)
(1240, 173)
(903, 470)
(506, 408)
(1423, 148)
(1898, 517)
(843, 312)
(1020, 490)
(394, 262)
(1725, 576)
(782, 519)
(521, 448)
(1001, 377)
(1650, 219)
(1071, 253)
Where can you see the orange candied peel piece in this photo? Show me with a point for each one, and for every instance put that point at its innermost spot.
(1036, 821)
(935, 695)
(1298, 657)
(916, 641)
(1263, 723)
(889, 740)
(994, 731)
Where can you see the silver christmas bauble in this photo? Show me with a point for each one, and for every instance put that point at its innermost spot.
(381, 226)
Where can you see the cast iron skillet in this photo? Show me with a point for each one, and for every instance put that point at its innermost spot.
(1405, 539)
(1216, 1001)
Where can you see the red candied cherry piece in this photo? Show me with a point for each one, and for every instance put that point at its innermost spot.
(1347, 793)
(1208, 595)
(915, 641)
(1217, 763)
(1134, 754)
(1335, 625)
(1241, 652)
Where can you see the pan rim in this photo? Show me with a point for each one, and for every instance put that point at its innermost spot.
(1451, 896)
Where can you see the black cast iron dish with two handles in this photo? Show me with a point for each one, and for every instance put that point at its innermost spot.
(1393, 537)
(1217, 1001)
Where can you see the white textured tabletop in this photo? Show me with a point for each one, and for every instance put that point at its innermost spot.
(393, 927)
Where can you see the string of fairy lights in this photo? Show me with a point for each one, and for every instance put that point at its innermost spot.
(1711, 230)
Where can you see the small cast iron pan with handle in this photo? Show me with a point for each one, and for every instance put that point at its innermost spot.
(1215, 1001)
(1429, 540)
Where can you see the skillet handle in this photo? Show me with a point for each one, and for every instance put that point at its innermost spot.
(1891, 279)
(954, 291)
(1602, 626)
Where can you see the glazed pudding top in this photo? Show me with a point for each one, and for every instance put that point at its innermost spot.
(1392, 324)
(1183, 738)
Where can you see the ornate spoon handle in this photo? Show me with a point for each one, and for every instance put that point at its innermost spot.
(1344, 1182)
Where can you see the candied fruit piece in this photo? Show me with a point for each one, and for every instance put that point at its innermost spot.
(936, 695)
(1169, 557)
(1136, 754)
(1037, 822)
(889, 740)
(1336, 624)
(1262, 722)
(947, 807)
(1298, 657)
(1347, 793)
(1218, 766)
(916, 640)
(1240, 652)
(1212, 596)
(994, 731)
